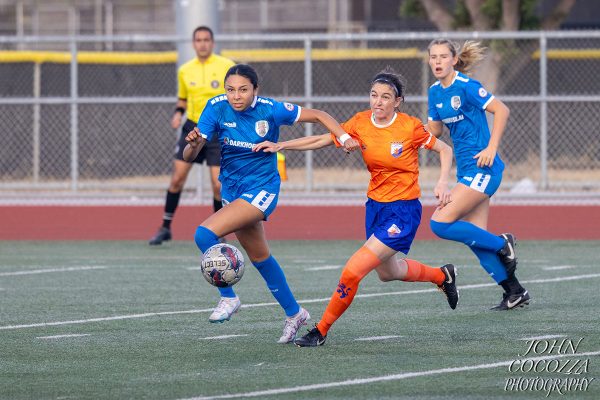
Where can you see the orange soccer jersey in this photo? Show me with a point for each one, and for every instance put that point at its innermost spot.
(390, 153)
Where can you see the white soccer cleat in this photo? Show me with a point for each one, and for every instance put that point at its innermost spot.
(292, 324)
(225, 309)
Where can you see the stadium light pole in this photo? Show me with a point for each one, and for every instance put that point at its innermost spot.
(190, 14)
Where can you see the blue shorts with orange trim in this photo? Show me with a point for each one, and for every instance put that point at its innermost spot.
(395, 223)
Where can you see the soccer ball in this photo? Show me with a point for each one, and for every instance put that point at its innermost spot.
(222, 265)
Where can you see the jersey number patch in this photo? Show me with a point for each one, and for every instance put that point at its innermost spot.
(263, 200)
(480, 182)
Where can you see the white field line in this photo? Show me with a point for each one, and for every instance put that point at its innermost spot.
(542, 337)
(102, 319)
(48, 270)
(384, 378)
(368, 339)
(221, 337)
(324, 268)
(559, 267)
(307, 261)
(321, 300)
(63, 336)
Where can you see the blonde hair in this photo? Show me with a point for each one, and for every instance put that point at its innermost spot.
(469, 55)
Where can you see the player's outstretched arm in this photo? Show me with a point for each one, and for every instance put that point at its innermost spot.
(441, 190)
(303, 143)
(434, 127)
(195, 142)
(312, 115)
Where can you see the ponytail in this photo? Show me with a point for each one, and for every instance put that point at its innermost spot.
(469, 55)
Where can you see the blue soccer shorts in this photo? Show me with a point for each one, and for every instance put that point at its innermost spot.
(264, 198)
(394, 224)
(482, 181)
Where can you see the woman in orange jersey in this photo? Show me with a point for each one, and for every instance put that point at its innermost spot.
(389, 141)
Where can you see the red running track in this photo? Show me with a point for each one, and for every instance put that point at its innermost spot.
(288, 222)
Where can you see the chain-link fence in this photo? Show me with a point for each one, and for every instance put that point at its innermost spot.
(77, 123)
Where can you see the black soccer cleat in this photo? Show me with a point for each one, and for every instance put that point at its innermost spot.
(515, 300)
(312, 339)
(163, 235)
(507, 253)
(449, 285)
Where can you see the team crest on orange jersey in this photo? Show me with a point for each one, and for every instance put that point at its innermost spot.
(396, 149)
(261, 127)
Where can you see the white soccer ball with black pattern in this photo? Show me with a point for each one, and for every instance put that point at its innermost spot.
(222, 265)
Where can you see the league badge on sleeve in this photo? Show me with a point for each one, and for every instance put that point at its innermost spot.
(396, 149)
(288, 106)
(261, 128)
(482, 92)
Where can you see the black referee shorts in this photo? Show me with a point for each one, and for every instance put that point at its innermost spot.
(211, 152)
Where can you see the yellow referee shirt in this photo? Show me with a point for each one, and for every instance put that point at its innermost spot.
(199, 82)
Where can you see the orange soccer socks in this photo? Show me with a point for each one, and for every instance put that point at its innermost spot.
(418, 272)
(358, 266)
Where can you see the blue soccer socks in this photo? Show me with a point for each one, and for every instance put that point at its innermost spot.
(491, 263)
(205, 238)
(467, 233)
(484, 244)
(273, 274)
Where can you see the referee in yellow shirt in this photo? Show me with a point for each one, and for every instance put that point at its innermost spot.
(198, 80)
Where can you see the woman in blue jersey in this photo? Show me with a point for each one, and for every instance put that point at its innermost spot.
(250, 181)
(461, 103)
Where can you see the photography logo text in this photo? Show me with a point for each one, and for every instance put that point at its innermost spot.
(550, 366)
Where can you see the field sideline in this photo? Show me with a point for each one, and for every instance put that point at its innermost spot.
(119, 319)
(289, 222)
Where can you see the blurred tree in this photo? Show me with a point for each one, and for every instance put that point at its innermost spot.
(490, 15)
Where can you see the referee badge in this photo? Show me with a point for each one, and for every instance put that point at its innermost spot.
(396, 149)
(261, 127)
(214, 84)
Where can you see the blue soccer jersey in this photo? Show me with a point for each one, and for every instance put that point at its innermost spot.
(238, 132)
(461, 107)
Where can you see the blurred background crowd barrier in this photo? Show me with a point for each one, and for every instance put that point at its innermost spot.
(86, 118)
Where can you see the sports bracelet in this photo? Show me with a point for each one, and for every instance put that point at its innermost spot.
(343, 138)
(180, 110)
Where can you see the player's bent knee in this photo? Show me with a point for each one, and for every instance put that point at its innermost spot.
(439, 228)
(205, 238)
(385, 276)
